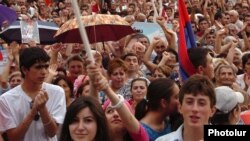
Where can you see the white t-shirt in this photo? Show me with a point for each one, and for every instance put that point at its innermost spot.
(173, 136)
(15, 105)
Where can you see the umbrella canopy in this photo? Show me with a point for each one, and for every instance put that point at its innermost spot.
(99, 28)
(45, 32)
(7, 14)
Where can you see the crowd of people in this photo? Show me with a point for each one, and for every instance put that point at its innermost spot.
(132, 90)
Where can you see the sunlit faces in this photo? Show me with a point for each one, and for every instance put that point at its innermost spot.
(226, 76)
(210, 39)
(86, 90)
(21, 2)
(139, 90)
(65, 87)
(172, 58)
(132, 63)
(233, 17)
(196, 110)
(76, 48)
(159, 49)
(225, 19)
(158, 74)
(175, 23)
(75, 68)
(118, 78)
(203, 25)
(84, 126)
(16, 80)
(113, 119)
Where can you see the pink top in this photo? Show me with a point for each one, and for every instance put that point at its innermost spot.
(140, 136)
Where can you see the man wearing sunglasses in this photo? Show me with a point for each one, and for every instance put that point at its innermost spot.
(33, 110)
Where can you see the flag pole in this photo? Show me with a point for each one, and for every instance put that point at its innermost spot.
(82, 30)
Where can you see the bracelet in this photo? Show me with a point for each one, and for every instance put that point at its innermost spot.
(119, 104)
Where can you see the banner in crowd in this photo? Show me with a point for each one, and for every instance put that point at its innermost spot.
(151, 30)
(186, 40)
(29, 31)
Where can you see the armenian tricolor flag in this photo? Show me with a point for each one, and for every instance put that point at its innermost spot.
(186, 40)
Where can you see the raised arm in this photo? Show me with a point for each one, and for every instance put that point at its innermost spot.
(146, 59)
(170, 34)
(101, 84)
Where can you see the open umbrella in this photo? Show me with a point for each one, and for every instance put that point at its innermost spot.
(7, 14)
(99, 28)
(42, 32)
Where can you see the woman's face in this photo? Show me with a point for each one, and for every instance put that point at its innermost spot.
(16, 80)
(118, 77)
(113, 119)
(175, 23)
(247, 67)
(159, 48)
(158, 74)
(65, 87)
(75, 68)
(84, 126)
(85, 91)
(139, 90)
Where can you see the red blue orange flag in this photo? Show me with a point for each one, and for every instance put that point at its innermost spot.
(186, 40)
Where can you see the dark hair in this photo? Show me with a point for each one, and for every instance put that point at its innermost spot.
(80, 88)
(203, 19)
(62, 70)
(161, 88)
(69, 83)
(74, 58)
(30, 56)
(95, 107)
(218, 15)
(220, 118)
(129, 54)
(244, 59)
(198, 56)
(170, 50)
(198, 84)
(116, 63)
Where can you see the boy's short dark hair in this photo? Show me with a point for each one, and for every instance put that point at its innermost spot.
(129, 54)
(198, 85)
(30, 56)
(198, 56)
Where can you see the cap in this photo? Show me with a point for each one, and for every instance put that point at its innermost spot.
(227, 99)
